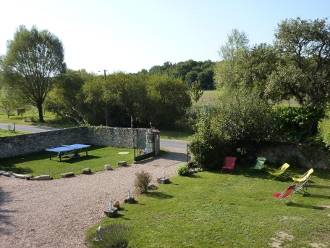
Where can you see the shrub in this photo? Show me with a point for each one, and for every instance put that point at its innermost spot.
(142, 181)
(113, 236)
(183, 170)
(296, 124)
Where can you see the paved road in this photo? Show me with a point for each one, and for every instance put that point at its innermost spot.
(174, 145)
(27, 128)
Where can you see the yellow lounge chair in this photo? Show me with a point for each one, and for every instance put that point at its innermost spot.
(303, 177)
(279, 171)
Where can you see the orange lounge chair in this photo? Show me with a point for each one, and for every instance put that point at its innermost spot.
(285, 194)
(229, 164)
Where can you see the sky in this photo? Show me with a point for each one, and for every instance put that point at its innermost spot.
(130, 35)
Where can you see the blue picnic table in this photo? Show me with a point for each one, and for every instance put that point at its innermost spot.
(65, 149)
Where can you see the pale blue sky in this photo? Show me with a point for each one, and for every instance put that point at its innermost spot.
(130, 35)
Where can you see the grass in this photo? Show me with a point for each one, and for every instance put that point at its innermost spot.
(31, 118)
(209, 97)
(177, 135)
(5, 133)
(40, 164)
(225, 210)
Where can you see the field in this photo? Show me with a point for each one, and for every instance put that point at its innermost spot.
(228, 210)
(31, 118)
(209, 97)
(5, 133)
(40, 164)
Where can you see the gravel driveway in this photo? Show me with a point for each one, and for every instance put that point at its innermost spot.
(57, 213)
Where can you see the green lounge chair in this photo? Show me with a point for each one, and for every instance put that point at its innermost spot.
(280, 171)
(260, 164)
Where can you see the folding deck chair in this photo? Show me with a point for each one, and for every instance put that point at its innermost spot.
(260, 164)
(280, 171)
(229, 164)
(302, 181)
(286, 193)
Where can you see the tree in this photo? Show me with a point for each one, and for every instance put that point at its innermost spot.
(7, 100)
(196, 91)
(226, 70)
(236, 41)
(34, 58)
(304, 69)
(66, 98)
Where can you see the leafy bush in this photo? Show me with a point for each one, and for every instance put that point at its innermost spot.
(183, 170)
(295, 124)
(241, 119)
(113, 236)
(142, 181)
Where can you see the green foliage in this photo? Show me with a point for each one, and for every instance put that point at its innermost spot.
(169, 100)
(142, 181)
(241, 118)
(188, 71)
(303, 72)
(196, 91)
(33, 59)
(66, 99)
(295, 124)
(111, 236)
(183, 170)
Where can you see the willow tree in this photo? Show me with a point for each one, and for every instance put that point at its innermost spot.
(34, 58)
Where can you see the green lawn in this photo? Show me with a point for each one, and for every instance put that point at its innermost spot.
(31, 118)
(177, 135)
(39, 164)
(5, 133)
(225, 210)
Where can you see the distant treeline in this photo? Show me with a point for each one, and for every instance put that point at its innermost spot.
(188, 71)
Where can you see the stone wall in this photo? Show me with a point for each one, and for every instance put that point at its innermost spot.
(117, 137)
(100, 136)
(36, 142)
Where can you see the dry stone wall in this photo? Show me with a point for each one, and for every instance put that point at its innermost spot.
(100, 136)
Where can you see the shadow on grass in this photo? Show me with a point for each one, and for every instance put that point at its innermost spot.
(158, 195)
(318, 196)
(319, 186)
(301, 205)
(76, 160)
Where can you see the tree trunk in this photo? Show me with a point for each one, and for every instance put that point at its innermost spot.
(40, 112)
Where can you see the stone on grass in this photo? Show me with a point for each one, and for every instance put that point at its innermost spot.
(22, 176)
(122, 163)
(163, 180)
(108, 167)
(67, 174)
(7, 173)
(86, 171)
(42, 177)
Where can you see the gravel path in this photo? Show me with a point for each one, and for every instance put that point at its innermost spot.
(27, 128)
(57, 213)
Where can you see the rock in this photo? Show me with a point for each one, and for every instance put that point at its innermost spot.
(68, 174)
(1, 172)
(22, 176)
(7, 173)
(117, 205)
(163, 180)
(42, 177)
(122, 163)
(113, 212)
(86, 171)
(108, 167)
